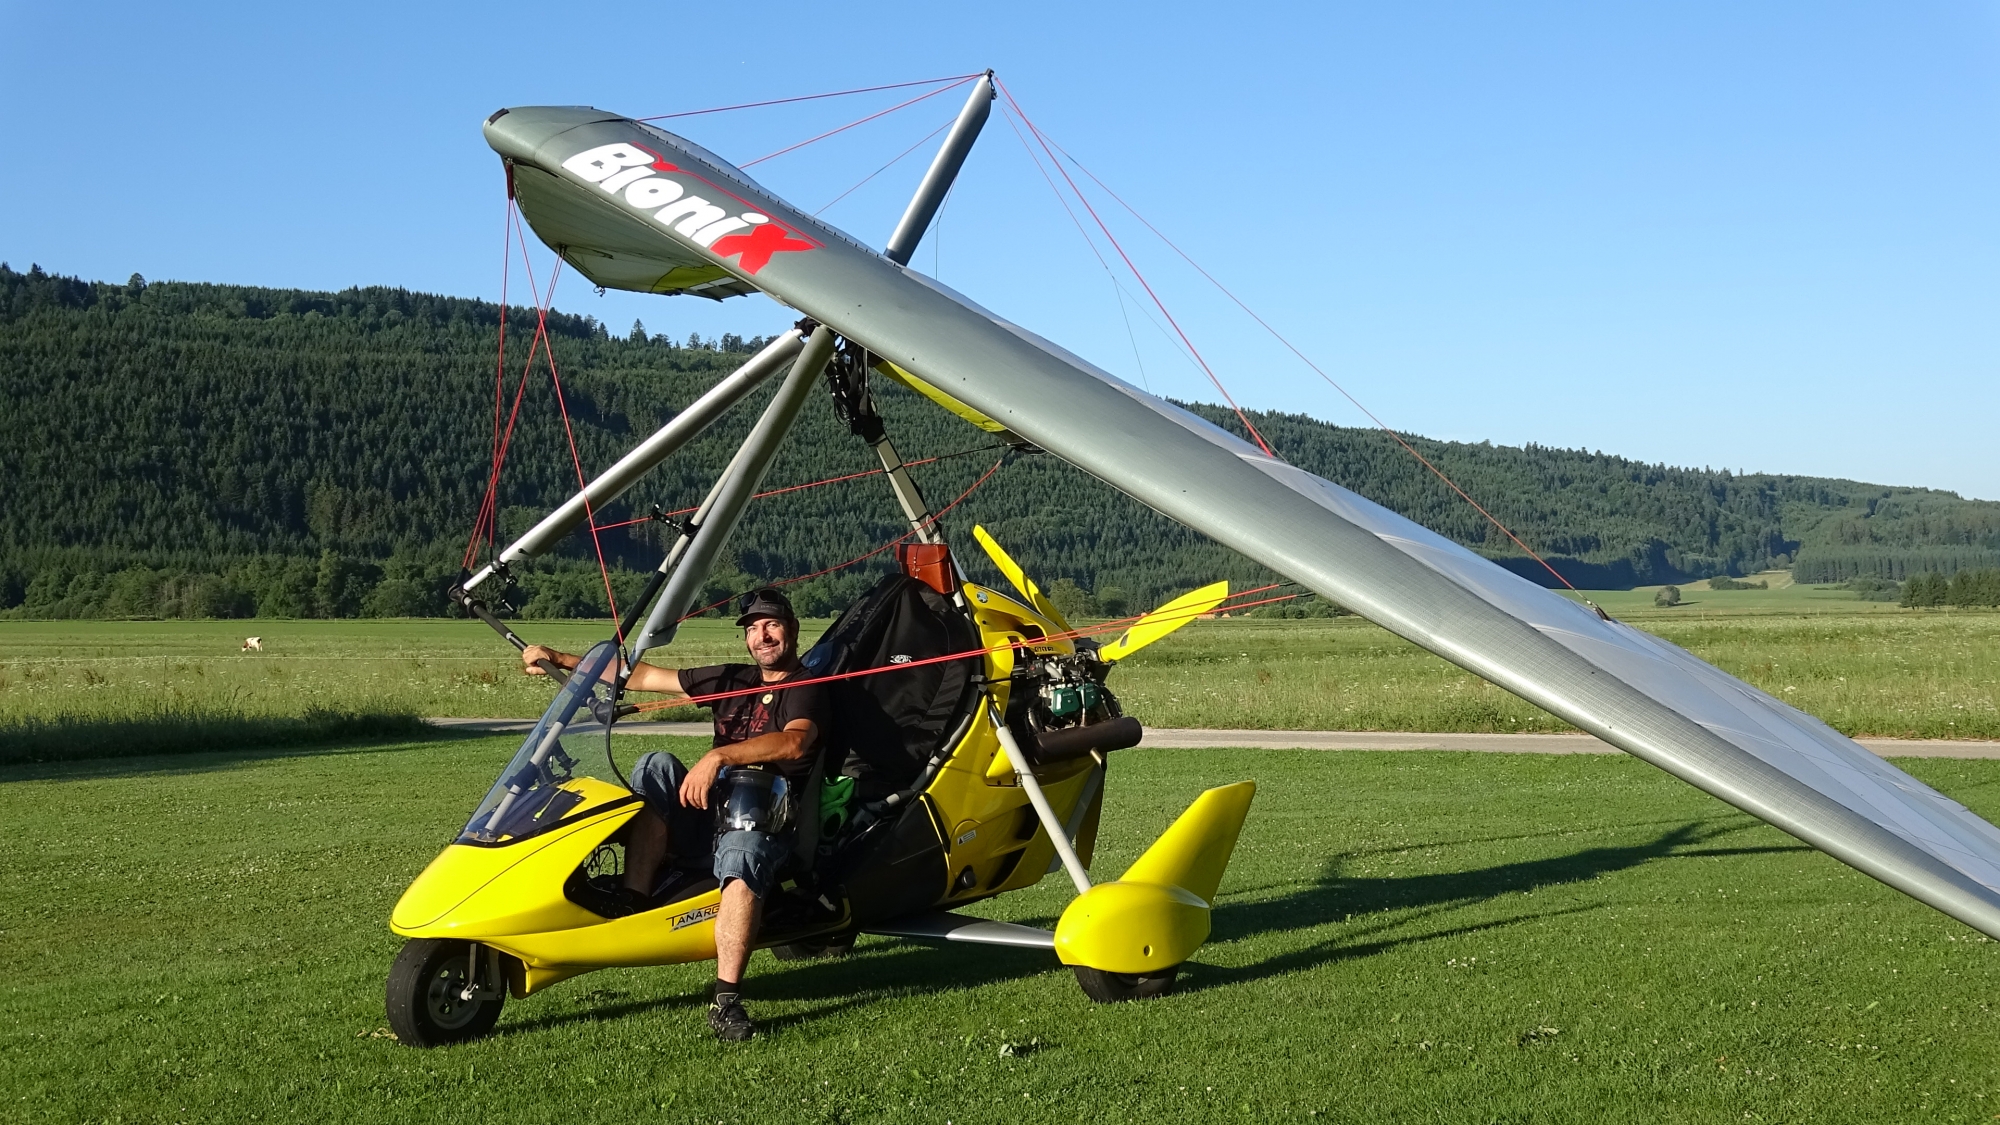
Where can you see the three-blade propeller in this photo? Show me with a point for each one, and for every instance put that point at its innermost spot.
(1147, 629)
(1037, 601)
(1167, 618)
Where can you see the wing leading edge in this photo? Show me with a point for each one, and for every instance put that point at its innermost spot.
(608, 186)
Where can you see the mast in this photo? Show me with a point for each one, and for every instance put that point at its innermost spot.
(848, 379)
(943, 172)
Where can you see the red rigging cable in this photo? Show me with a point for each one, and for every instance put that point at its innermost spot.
(928, 522)
(1280, 337)
(968, 654)
(487, 520)
(865, 473)
(500, 361)
(1161, 305)
(555, 378)
(809, 97)
(858, 121)
(489, 513)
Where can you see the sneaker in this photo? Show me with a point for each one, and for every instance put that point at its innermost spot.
(729, 1021)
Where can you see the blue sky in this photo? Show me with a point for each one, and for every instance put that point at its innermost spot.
(1761, 236)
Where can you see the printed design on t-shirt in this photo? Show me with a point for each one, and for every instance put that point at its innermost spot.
(761, 708)
(746, 720)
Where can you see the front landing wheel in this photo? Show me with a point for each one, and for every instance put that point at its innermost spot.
(1110, 988)
(437, 996)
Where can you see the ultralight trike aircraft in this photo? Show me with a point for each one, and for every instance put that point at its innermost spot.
(977, 722)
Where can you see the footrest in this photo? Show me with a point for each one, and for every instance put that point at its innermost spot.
(946, 926)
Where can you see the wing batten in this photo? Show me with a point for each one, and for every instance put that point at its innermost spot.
(1633, 690)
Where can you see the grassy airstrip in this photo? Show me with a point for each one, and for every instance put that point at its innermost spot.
(1410, 936)
(1402, 937)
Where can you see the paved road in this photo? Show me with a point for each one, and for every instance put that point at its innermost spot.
(1342, 740)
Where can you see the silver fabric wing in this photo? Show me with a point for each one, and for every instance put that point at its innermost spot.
(610, 190)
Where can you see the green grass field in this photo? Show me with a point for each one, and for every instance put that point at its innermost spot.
(426, 667)
(1401, 937)
(1865, 668)
(1907, 674)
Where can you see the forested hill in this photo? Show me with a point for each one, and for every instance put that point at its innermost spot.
(176, 448)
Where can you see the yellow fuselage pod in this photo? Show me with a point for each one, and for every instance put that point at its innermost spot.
(994, 841)
(509, 895)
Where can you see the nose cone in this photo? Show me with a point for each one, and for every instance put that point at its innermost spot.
(454, 876)
(519, 133)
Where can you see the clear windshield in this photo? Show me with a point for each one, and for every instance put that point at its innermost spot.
(563, 768)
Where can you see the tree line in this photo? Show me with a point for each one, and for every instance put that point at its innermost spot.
(185, 449)
(1966, 589)
(1891, 564)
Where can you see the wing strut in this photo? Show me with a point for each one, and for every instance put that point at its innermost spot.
(914, 508)
(614, 481)
(732, 493)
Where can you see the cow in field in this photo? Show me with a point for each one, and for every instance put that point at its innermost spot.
(253, 644)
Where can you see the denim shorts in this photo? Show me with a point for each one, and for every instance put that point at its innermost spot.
(753, 857)
(656, 777)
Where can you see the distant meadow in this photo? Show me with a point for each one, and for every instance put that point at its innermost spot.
(114, 688)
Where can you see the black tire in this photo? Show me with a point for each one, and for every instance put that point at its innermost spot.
(1111, 988)
(815, 950)
(427, 1007)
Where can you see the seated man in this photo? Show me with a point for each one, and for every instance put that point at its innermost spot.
(776, 730)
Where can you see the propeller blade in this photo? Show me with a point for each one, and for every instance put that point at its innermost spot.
(1166, 619)
(1019, 578)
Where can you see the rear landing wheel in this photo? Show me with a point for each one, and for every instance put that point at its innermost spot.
(1110, 988)
(436, 996)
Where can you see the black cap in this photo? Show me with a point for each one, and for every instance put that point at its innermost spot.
(767, 602)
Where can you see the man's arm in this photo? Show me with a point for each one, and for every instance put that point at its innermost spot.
(645, 677)
(788, 745)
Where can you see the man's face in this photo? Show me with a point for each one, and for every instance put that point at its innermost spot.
(770, 642)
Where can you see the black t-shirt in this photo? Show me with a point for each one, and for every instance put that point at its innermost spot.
(741, 718)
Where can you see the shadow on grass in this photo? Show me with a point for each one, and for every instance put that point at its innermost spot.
(880, 971)
(55, 745)
(1733, 824)
(1411, 898)
(872, 974)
